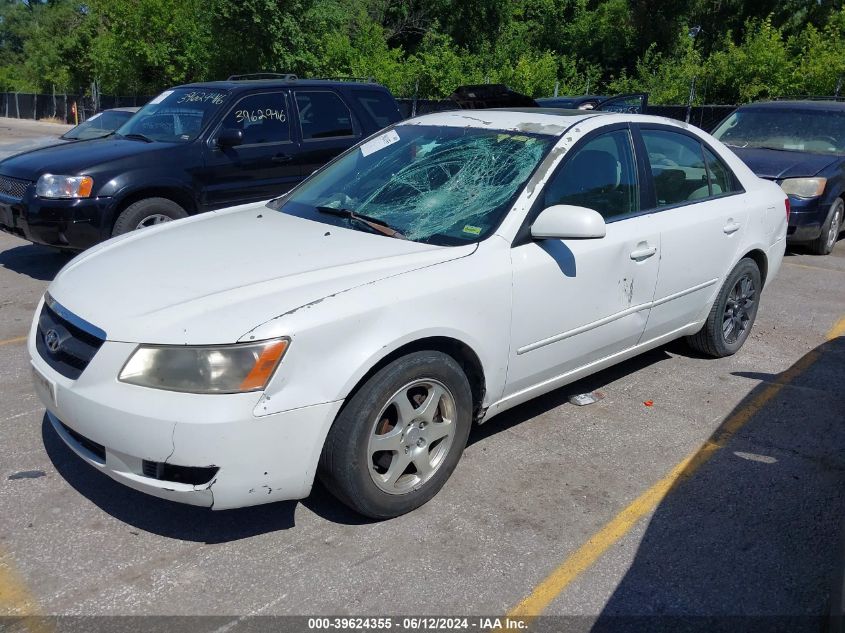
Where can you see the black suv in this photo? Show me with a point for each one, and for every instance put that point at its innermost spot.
(193, 148)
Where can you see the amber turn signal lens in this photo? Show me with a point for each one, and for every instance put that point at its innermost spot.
(86, 185)
(265, 366)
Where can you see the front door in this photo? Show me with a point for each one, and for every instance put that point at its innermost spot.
(576, 302)
(264, 166)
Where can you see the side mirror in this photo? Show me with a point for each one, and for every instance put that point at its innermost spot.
(563, 221)
(229, 137)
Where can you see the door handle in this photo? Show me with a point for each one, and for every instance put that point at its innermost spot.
(643, 253)
(731, 227)
(281, 158)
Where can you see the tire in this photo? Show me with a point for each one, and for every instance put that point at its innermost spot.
(738, 300)
(421, 447)
(147, 212)
(825, 242)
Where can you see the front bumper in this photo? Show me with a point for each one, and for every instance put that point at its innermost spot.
(805, 219)
(260, 459)
(70, 224)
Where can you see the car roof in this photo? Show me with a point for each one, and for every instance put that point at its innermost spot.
(532, 120)
(567, 98)
(248, 84)
(824, 105)
(552, 121)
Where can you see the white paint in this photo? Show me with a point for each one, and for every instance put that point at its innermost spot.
(538, 315)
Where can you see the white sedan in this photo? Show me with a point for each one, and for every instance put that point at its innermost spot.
(436, 275)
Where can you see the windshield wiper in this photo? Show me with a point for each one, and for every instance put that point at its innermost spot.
(375, 224)
(137, 136)
(768, 147)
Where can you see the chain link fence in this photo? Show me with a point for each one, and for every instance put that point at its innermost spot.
(20, 105)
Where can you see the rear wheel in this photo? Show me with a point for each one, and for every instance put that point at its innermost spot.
(398, 439)
(825, 242)
(733, 313)
(147, 212)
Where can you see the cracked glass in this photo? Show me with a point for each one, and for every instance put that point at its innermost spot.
(435, 184)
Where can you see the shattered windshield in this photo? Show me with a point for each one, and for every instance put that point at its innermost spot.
(441, 185)
(796, 130)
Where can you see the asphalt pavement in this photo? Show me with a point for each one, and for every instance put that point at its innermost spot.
(723, 497)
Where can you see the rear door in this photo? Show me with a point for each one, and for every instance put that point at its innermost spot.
(701, 213)
(265, 165)
(326, 126)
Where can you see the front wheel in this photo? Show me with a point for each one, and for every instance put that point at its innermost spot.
(825, 242)
(147, 212)
(733, 313)
(398, 439)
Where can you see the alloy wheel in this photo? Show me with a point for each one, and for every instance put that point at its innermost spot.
(152, 220)
(411, 436)
(738, 309)
(835, 227)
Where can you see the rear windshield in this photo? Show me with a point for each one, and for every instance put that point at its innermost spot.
(796, 130)
(175, 116)
(380, 106)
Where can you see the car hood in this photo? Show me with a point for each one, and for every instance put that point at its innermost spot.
(75, 157)
(777, 164)
(214, 277)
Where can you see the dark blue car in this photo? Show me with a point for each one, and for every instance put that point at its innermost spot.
(193, 148)
(801, 146)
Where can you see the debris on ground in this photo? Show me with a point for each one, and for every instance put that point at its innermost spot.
(583, 399)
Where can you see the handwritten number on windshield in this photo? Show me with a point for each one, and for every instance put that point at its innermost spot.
(201, 96)
(259, 115)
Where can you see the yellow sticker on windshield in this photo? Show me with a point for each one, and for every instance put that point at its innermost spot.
(472, 230)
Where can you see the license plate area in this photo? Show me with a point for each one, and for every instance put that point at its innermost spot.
(44, 387)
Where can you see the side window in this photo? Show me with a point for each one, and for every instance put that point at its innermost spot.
(677, 166)
(601, 175)
(323, 114)
(721, 178)
(262, 117)
(379, 105)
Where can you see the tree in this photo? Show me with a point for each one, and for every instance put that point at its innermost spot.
(143, 46)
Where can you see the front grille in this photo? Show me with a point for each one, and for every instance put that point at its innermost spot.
(72, 342)
(194, 475)
(91, 446)
(13, 187)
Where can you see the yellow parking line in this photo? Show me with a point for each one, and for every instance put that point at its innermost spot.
(10, 341)
(16, 600)
(811, 267)
(837, 330)
(586, 555)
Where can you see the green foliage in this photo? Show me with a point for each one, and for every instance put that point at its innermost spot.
(144, 45)
(746, 50)
(757, 68)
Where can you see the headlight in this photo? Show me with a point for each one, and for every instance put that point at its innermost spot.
(804, 187)
(50, 186)
(219, 369)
